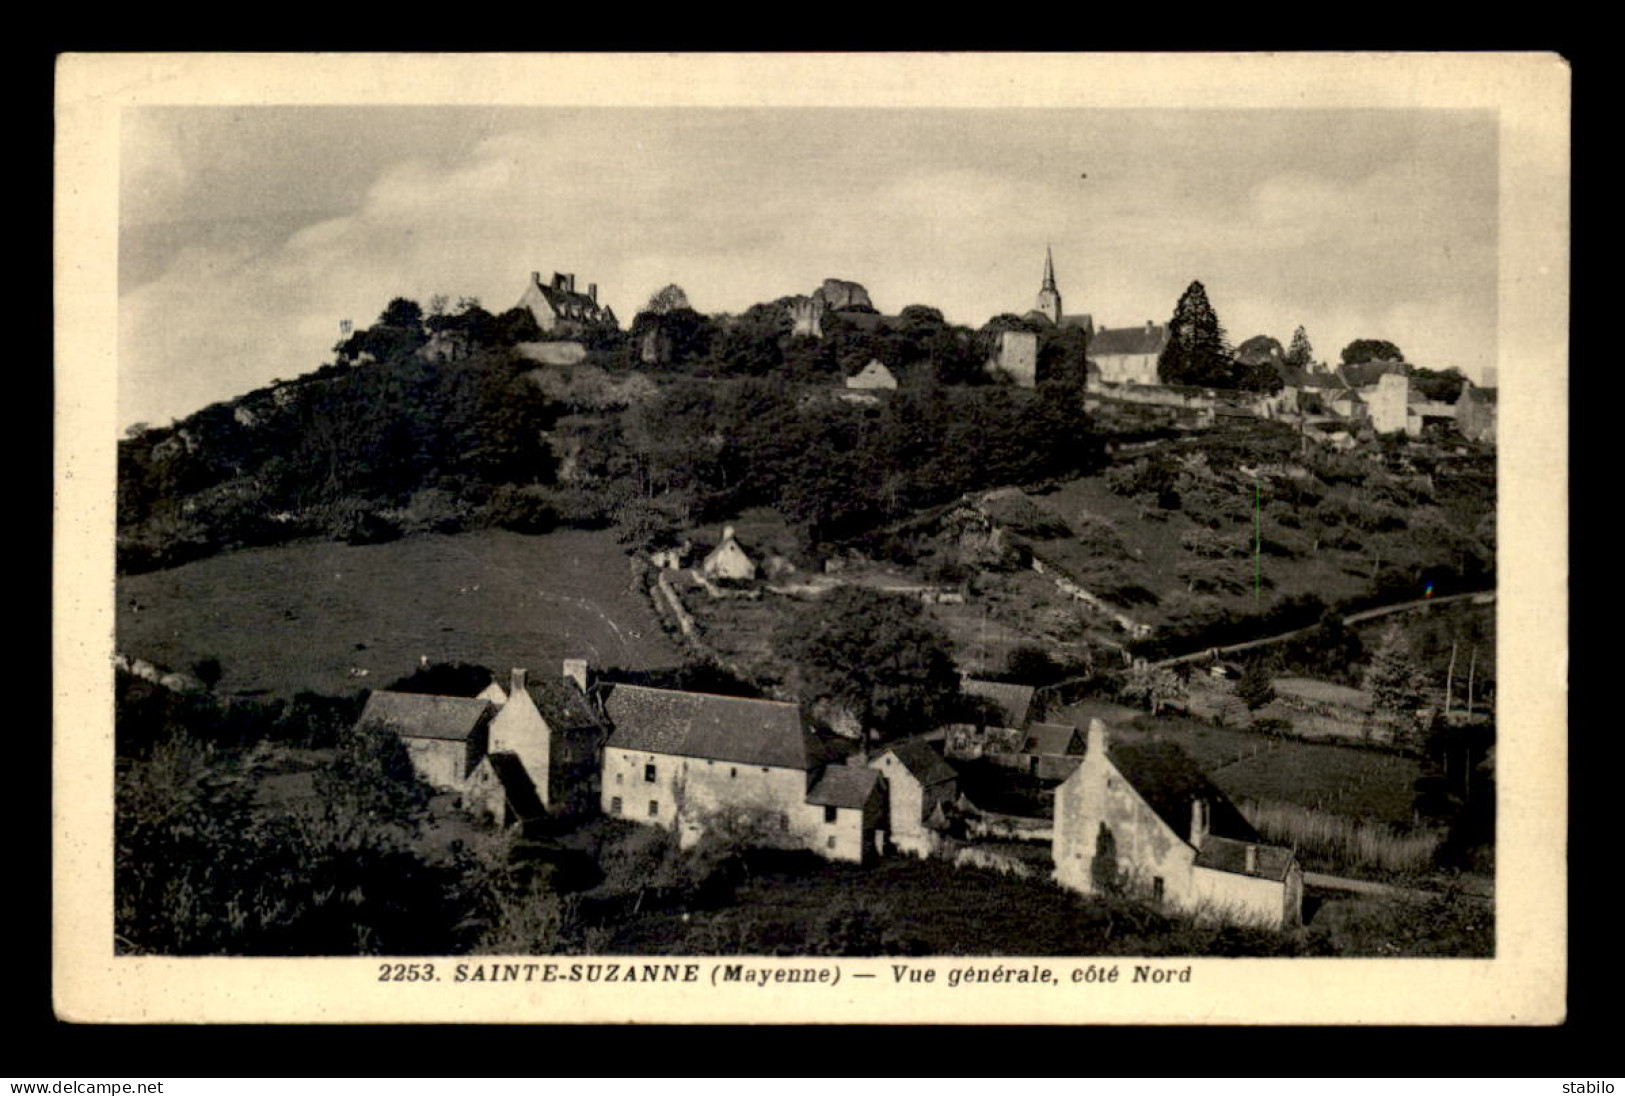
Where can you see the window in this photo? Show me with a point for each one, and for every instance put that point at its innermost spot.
(1156, 890)
(784, 822)
(615, 805)
(654, 808)
(733, 774)
(618, 777)
(830, 815)
(648, 774)
(830, 844)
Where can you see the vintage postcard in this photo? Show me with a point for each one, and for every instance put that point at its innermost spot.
(1052, 538)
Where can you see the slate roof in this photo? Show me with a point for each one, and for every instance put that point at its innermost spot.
(1226, 854)
(1129, 340)
(721, 728)
(924, 763)
(561, 704)
(516, 784)
(1077, 319)
(1054, 740)
(1015, 702)
(421, 715)
(564, 302)
(1168, 780)
(844, 786)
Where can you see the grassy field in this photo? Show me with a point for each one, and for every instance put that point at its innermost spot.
(1339, 780)
(313, 615)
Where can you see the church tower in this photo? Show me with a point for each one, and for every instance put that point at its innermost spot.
(1049, 298)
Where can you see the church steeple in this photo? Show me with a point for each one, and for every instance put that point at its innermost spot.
(1049, 298)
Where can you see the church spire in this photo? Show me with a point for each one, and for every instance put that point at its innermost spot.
(1049, 298)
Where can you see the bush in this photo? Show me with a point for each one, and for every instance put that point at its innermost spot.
(521, 509)
(431, 510)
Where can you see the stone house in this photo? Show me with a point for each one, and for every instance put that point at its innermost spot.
(560, 310)
(556, 734)
(686, 760)
(728, 560)
(1143, 818)
(918, 785)
(445, 736)
(1050, 751)
(500, 789)
(1128, 355)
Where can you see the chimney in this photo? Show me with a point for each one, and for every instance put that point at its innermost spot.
(1252, 859)
(535, 277)
(575, 670)
(572, 278)
(516, 683)
(1097, 739)
(592, 291)
(1198, 822)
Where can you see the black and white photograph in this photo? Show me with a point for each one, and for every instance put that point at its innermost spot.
(1027, 540)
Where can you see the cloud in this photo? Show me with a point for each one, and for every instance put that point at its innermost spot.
(737, 209)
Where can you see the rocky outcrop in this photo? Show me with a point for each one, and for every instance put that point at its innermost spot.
(836, 295)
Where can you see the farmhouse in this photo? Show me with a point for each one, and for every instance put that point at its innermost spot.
(689, 761)
(554, 732)
(1143, 817)
(1051, 751)
(445, 736)
(918, 783)
(560, 310)
(999, 717)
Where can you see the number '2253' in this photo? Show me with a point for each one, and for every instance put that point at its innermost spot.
(406, 972)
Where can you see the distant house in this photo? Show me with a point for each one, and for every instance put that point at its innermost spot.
(682, 760)
(1144, 818)
(728, 560)
(996, 724)
(873, 375)
(918, 783)
(445, 736)
(560, 310)
(1051, 751)
(1128, 355)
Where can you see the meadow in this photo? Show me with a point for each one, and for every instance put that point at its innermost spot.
(333, 618)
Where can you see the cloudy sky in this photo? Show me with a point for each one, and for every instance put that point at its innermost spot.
(248, 234)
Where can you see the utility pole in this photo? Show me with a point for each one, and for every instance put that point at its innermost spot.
(1449, 679)
(1472, 664)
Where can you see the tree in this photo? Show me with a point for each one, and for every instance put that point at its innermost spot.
(879, 656)
(1255, 687)
(403, 313)
(1196, 353)
(669, 299)
(1156, 687)
(1395, 683)
(1371, 350)
(1260, 350)
(1300, 354)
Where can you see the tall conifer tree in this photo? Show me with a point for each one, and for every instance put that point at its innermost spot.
(1196, 352)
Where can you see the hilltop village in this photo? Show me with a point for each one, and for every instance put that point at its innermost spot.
(1073, 618)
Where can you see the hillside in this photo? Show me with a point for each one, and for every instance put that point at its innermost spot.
(332, 618)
